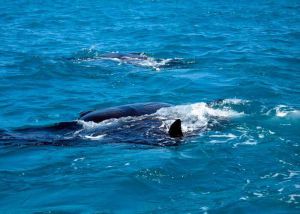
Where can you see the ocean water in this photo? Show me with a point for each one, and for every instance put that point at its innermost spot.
(230, 69)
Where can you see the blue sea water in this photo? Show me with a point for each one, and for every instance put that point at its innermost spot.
(245, 54)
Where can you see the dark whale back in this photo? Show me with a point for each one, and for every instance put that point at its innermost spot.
(122, 111)
(123, 56)
(66, 133)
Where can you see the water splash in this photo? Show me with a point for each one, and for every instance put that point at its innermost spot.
(195, 116)
(284, 111)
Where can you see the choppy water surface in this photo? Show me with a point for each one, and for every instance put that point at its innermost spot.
(229, 69)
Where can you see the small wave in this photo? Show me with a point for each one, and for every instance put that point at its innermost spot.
(229, 101)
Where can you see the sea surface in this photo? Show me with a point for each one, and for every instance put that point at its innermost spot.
(230, 69)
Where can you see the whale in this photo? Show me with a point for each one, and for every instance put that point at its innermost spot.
(129, 110)
(139, 59)
(143, 60)
(136, 109)
(125, 56)
(134, 121)
(153, 124)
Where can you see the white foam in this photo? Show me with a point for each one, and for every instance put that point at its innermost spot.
(194, 116)
(79, 159)
(230, 136)
(98, 137)
(88, 129)
(112, 59)
(249, 142)
(292, 174)
(220, 138)
(149, 62)
(293, 198)
(245, 198)
(281, 111)
(284, 111)
(234, 101)
(258, 194)
(92, 125)
(280, 190)
(152, 63)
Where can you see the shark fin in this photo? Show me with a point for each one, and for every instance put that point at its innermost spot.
(175, 129)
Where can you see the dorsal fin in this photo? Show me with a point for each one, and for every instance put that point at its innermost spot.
(175, 129)
(81, 114)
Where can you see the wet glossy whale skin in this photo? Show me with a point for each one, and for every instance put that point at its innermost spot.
(132, 110)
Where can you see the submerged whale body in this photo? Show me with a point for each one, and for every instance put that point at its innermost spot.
(136, 59)
(127, 56)
(142, 123)
(143, 60)
(138, 125)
